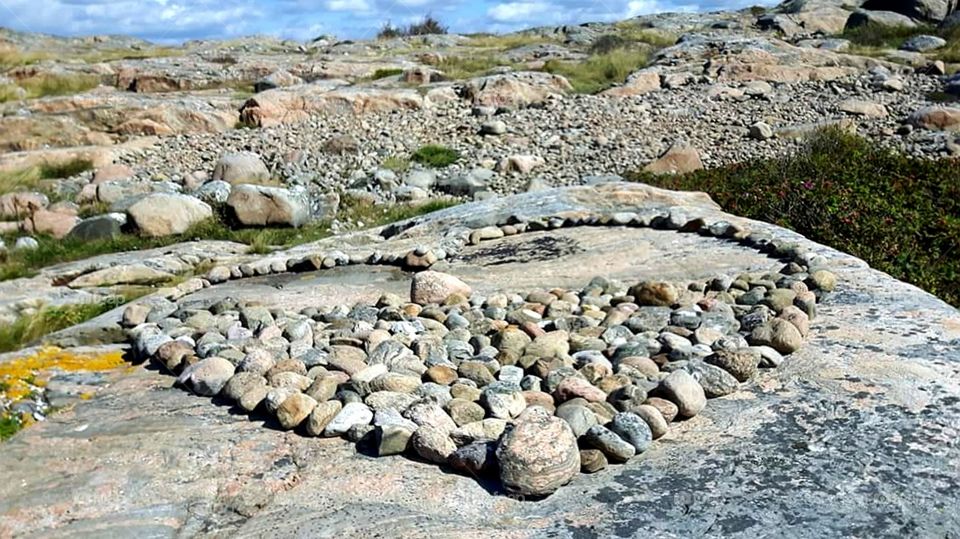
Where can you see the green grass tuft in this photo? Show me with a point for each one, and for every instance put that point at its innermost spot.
(900, 214)
(396, 164)
(384, 73)
(436, 156)
(30, 328)
(600, 71)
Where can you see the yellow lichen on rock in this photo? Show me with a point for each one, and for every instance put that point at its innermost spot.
(20, 377)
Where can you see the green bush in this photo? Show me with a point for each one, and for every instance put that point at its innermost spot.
(900, 214)
(436, 156)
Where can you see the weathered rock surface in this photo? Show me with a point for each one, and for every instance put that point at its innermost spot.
(538, 455)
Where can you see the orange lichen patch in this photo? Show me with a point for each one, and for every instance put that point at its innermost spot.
(20, 377)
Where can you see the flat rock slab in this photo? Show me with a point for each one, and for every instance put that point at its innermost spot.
(854, 435)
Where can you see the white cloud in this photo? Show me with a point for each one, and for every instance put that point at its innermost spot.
(177, 20)
(518, 11)
(358, 6)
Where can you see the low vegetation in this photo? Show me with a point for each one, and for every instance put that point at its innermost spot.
(384, 73)
(467, 67)
(506, 42)
(600, 71)
(30, 328)
(32, 178)
(872, 39)
(24, 263)
(426, 26)
(396, 164)
(47, 84)
(900, 214)
(435, 156)
(25, 377)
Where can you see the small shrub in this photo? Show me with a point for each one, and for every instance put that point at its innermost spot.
(436, 156)
(389, 31)
(900, 214)
(600, 71)
(427, 26)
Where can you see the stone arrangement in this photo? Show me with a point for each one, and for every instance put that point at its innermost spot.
(528, 388)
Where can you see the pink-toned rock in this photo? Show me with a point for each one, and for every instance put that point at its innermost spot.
(56, 224)
(936, 118)
(539, 455)
(111, 173)
(435, 287)
(20, 205)
(679, 159)
(639, 83)
(574, 387)
(297, 103)
(522, 164)
(520, 89)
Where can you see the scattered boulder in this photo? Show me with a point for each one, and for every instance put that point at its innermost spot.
(207, 377)
(679, 159)
(435, 287)
(241, 167)
(164, 214)
(258, 205)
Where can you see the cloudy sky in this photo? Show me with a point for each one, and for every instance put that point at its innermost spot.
(176, 20)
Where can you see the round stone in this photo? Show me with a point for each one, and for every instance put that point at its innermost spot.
(684, 391)
(539, 455)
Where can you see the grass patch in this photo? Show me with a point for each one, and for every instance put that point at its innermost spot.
(900, 214)
(633, 32)
(384, 73)
(373, 216)
(29, 329)
(882, 36)
(25, 263)
(32, 178)
(45, 85)
(396, 164)
(600, 71)
(435, 156)
(467, 67)
(506, 42)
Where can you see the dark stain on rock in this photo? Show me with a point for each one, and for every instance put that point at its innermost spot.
(541, 249)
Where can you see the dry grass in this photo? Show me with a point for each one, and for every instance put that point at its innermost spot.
(44, 85)
(506, 42)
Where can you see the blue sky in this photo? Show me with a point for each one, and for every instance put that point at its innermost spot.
(177, 20)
